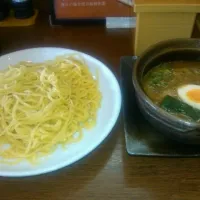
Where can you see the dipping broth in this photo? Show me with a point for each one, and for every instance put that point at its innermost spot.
(175, 87)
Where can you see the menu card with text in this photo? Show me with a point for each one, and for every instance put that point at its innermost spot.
(92, 9)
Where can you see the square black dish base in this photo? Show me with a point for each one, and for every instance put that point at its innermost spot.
(141, 138)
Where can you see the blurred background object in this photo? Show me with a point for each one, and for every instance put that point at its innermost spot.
(23, 9)
(4, 9)
(126, 2)
(14, 13)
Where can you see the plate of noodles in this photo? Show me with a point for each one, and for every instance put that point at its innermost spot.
(56, 106)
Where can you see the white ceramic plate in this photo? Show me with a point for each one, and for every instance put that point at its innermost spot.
(107, 115)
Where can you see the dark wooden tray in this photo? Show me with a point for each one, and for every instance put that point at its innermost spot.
(141, 138)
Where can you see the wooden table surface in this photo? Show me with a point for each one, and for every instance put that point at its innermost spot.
(108, 172)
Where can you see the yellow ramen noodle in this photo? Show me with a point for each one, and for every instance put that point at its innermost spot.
(43, 105)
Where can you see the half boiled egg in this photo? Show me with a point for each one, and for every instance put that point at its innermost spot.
(190, 94)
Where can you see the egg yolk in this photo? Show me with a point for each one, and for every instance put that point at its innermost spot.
(194, 95)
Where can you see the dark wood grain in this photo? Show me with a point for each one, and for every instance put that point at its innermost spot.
(108, 172)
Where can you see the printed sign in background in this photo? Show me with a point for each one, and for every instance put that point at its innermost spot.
(80, 9)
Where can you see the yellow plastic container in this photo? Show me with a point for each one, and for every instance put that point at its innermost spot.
(159, 20)
(11, 21)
